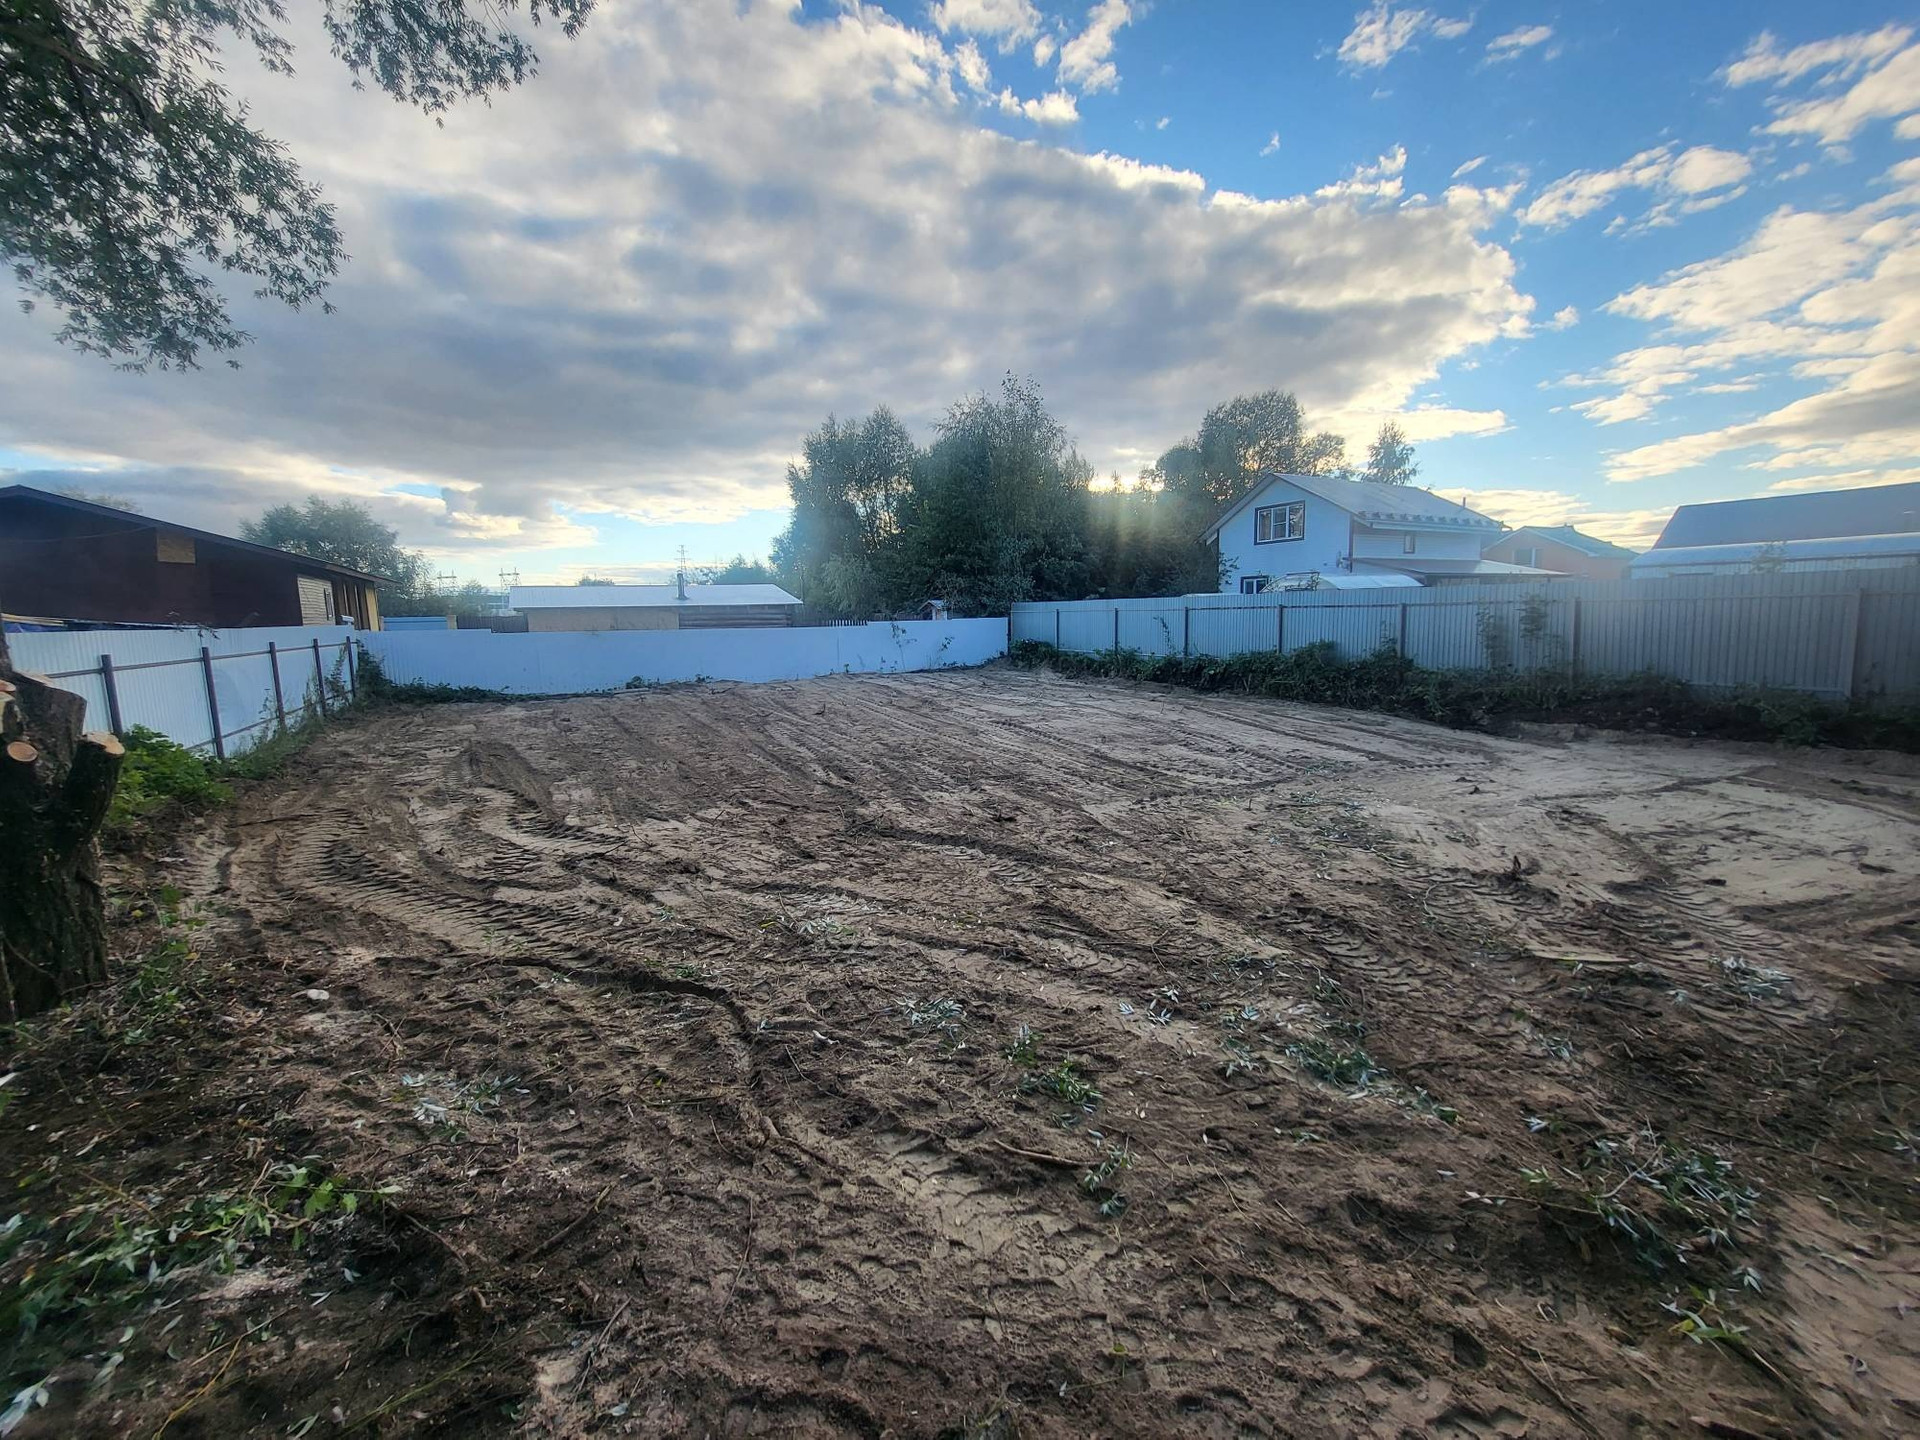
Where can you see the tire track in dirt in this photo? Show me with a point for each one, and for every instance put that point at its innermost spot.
(693, 922)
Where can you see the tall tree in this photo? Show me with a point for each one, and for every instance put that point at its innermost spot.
(847, 489)
(1247, 437)
(128, 173)
(344, 532)
(999, 509)
(1390, 458)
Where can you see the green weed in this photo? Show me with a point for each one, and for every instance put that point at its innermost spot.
(1479, 700)
(1335, 1064)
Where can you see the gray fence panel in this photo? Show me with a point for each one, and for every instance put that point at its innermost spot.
(1831, 633)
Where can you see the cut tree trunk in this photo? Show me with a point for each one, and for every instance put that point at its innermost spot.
(55, 785)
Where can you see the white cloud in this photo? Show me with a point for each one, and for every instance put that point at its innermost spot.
(1849, 480)
(767, 218)
(972, 66)
(1565, 318)
(1515, 43)
(1834, 296)
(1163, 122)
(1380, 180)
(1521, 506)
(1084, 59)
(1010, 20)
(1888, 83)
(1273, 144)
(1381, 32)
(1043, 49)
(1845, 55)
(1468, 167)
(1686, 176)
(1056, 107)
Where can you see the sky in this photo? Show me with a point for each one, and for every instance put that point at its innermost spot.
(1597, 258)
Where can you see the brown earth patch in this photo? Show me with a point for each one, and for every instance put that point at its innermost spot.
(682, 1022)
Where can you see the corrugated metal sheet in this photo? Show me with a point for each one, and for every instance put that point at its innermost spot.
(1832, 633)
(161, 682)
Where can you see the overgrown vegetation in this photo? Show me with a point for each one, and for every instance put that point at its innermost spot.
(377, 688)
(160, 774)
(1483, 700)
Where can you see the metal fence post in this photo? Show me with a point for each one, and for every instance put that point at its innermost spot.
(113, 695)
(1402, 643)
(353, 685)
(1850, 648)
(319, 675)
(213, 704)
(1056, 627)
(1280, 630)
(279, 699)
(1573, 640)
(1116, 629)
(1186, 632)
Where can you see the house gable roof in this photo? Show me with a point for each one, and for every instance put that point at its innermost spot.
(1817, 515)
(1366, 500)
(28, 493)
(598, 597)
(1589, 545)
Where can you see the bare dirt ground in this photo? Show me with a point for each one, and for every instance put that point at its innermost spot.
(1421, 1083)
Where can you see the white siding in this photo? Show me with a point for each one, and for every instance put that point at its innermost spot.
(1321, 548)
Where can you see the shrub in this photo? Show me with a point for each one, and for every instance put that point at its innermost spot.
(1480, 700)
(376, 687)
(160, 772)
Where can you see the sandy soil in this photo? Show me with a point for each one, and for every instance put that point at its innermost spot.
(718, 987)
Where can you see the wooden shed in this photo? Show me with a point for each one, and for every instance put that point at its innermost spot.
(67, 559)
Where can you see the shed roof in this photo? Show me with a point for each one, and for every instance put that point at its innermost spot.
(28, 493)
(598, 597)
(1815, 515)
(1589, 545)
(1367, 500)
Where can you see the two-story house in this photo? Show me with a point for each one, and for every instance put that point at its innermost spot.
(1301, 530)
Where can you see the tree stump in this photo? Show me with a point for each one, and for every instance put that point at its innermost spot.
(56, 783)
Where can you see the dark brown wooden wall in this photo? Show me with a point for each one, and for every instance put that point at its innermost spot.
(71, 565)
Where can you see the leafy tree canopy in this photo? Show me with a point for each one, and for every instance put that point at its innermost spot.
(129, 176)
(1390, 458)
(344, 532)
(737, 571)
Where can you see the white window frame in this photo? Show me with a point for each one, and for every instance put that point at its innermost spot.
(1254, 584)
(1291, 516)
(1408, 542)
(1528, 556)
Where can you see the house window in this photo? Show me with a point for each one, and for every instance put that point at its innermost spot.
(1253, 584)
(1280, 522)
(1407, 544)
(1529, 556)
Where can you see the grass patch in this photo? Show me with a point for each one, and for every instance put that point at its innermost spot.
(1486, 699)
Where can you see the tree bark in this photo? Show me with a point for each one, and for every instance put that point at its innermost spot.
(55, 786)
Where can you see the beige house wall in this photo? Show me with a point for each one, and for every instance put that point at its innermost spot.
(603, 617)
